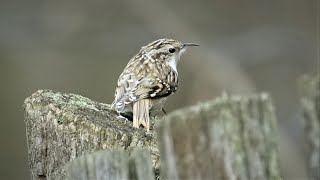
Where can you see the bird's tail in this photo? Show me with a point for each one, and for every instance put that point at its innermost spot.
(141, 113)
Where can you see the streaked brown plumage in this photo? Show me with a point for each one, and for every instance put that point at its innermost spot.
(148, 79)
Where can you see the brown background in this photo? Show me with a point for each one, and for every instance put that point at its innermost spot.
(82, 46)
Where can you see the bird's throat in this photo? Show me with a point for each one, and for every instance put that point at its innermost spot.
(173, 63)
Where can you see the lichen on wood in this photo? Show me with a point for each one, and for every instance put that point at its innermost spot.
(61, 127)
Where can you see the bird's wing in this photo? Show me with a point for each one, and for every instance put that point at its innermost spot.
(136, 83)
(131, 89)
(126, 83)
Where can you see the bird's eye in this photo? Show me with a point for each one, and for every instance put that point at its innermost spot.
(172, 50)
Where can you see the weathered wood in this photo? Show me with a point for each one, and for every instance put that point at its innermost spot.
(228, 138)
(310, 99)
(99, 165)
(140, 166)
(61, 127)
(111, 165)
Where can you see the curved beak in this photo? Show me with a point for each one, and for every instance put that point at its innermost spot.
(190, 44)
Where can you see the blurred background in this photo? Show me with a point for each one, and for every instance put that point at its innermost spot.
(82, 47)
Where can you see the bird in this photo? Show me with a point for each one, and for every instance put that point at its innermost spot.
(148, 79)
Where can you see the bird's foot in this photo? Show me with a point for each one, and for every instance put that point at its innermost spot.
(164, 111)
(121, 117)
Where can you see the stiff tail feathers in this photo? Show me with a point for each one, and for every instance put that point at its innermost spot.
(141, 113)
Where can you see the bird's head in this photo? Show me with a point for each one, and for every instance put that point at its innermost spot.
(166, 50)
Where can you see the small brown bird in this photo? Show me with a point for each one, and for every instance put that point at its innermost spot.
(148, 79)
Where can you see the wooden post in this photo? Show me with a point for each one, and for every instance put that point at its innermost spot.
(112, 165)
(310, 99)
(61, 127)
(227, 138)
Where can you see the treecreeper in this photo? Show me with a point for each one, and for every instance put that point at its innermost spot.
(148, 79)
